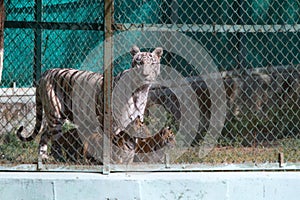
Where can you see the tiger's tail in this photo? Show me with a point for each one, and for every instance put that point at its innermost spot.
(38, 123)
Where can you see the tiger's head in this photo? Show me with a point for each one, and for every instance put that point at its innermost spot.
(166, 137)
(147, 64)
(137, 128)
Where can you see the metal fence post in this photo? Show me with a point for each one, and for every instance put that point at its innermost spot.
(37, 42)
(108, 70)
(2, 18)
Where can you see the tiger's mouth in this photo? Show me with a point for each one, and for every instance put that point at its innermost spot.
(171, 142)
(150, 78)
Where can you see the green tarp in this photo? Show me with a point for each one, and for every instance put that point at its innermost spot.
(230, 50)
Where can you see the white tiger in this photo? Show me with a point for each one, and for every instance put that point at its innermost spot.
(76, 96)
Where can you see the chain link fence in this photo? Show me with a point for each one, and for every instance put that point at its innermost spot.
(226, 94)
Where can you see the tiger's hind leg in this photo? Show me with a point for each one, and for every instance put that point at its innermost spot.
(56, 151)
(72, 145)
(67, 146)
(56, 146)
(43, 145)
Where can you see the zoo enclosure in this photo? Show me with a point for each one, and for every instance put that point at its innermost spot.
(252, 44)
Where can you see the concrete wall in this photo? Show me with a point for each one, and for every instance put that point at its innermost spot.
(156, 185)
(17, 107)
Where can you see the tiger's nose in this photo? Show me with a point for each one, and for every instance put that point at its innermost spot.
(147, 69)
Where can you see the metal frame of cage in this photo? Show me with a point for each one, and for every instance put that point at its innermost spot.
(109, 27)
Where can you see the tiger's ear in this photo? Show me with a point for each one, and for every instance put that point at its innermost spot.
(158, 52)
(134, 50)
(138, 121)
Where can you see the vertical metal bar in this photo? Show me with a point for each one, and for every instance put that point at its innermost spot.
(2, 18)
(108, 71)
(281, 159)
(37, 66)
(171, 61)
(241, 39)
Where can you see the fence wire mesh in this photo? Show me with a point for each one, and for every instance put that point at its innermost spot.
(210, 84)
